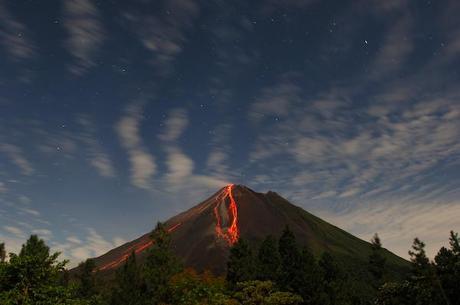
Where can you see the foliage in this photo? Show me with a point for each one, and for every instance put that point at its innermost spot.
(420, 262)
(33, 277)
(160, 265)
(332, 279)
(448, 269)
(2, 252)
(310, 288)
(87, 286)
(264, 293)
(36, 277)
(130, 288)
(190, 288)
(240, 265)
(291, 278)
(268, 260)
(377, 261)
(424, 286)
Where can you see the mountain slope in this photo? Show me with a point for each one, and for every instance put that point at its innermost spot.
(203, 235)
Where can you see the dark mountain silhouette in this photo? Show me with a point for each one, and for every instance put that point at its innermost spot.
(203, 235)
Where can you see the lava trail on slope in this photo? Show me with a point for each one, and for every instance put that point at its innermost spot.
(227, 218)
(136, 249)
(225, 212)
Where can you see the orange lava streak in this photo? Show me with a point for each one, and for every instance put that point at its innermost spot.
(137, 249)
(231, 234)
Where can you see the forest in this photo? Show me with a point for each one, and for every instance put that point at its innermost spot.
(278, 271)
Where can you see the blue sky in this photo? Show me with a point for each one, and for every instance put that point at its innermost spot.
(117, 114)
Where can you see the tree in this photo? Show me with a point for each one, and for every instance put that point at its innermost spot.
(240, 265)
(264, 293)
(424, 284)
(377, 261)
(291, 278)
(448, 269)
(191, 288)
(130, 288)
(332, 279)
(393, 293)
(87, 282)
(310, 288)
(160, 265)
(420, 262)
(33, 277)
(2, 252)
(268, 260)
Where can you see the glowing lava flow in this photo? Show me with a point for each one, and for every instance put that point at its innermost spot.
(230, 234)
(136, 248)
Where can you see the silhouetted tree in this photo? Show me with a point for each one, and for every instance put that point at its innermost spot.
(241, 263)
(268, 260)
(421, 288)
(191, 288)
(448, 269)
(425, 285)
(310, 287)
(264, 293)
(160, 265)
(87, 281)
(332, 279)
(420, 262)
(2, 252)
(130, 288)
(377, 261)
(394, 293)
(291, 277)
(33, 277)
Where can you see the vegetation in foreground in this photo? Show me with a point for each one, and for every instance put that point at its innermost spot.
(279, 273)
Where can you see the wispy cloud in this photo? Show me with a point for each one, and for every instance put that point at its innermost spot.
(399, 223)
(3, 188)
(164, 35)
(174, 125)
(277, 101)
(43, 233)
(17, 232)
(143, 165)
(16, 155)
(86, 33)
(181, 176)
(14, 35)
(180, 166)
(29, 211)
(97, 156)
(395, 49)
(93, 245)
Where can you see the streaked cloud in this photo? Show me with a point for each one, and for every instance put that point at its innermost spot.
(97, 155)
(14, 35)
(17, 232)
(175, 125)
(399, 223)
(180, 166)
(30, 211)
(16, 156)
(164, 34)
(395, 49)
(3, 188)
(86, 33)
(143, 165)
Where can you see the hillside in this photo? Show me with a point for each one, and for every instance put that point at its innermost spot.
(202, 235)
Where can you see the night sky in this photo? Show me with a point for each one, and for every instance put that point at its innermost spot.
(117, 114)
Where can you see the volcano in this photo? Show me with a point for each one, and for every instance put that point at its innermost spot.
(203, 235)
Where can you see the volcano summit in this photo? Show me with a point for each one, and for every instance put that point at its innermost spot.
(203, 235)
